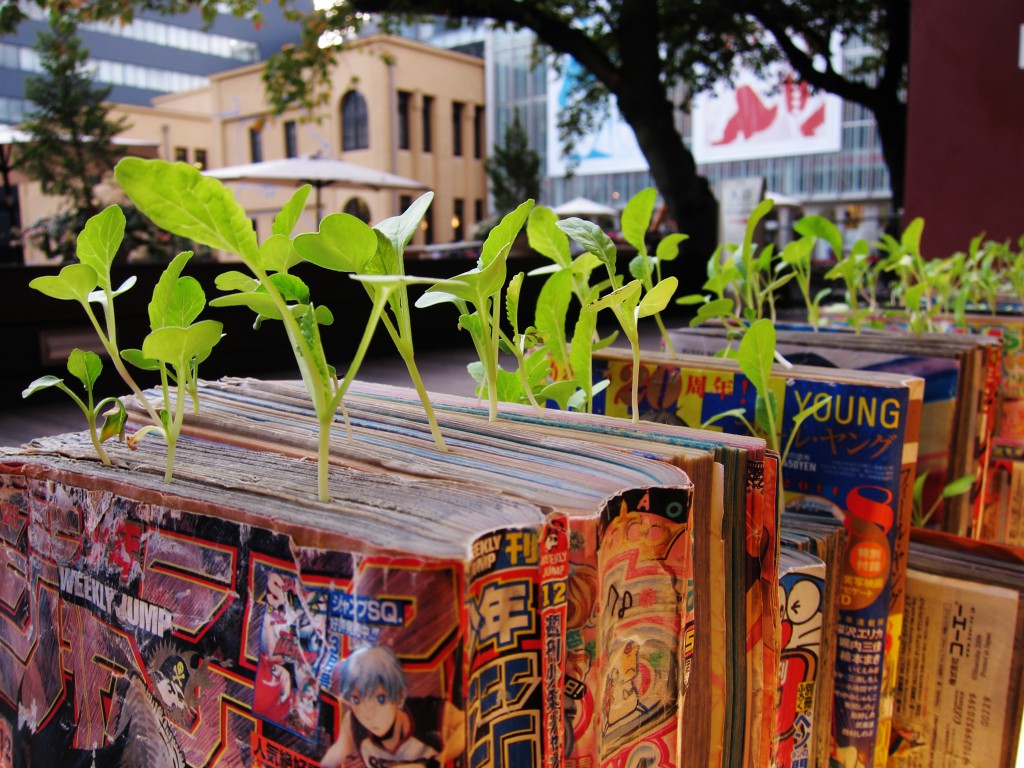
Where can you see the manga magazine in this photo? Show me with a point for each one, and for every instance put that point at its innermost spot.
(853, 460)
(146, 624)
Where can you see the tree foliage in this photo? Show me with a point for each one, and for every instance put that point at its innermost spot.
(72, 149)
(513, 168)
(638, 51)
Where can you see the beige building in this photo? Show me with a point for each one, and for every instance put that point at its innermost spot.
(394, 105)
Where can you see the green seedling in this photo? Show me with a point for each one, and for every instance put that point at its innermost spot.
(481, 289)
(635, 221)
(177, 343)
(917, 282)
(797, 255)
(375, 257)
(628, 307)
(855, 271)
(624, 301)
(920, 517)
(740, 280)
(87, 367)
(181, 200)
(176, 340)
(755, 356)
(567, 278)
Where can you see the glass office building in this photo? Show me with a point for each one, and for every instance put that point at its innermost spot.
(151, 56)
(850, 185)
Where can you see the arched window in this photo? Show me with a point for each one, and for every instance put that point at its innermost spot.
(355, 130)
(357, 207)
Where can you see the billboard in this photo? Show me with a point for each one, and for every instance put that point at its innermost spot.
(612, 148)
(757, 118)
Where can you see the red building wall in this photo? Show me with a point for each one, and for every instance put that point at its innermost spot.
(965, 132)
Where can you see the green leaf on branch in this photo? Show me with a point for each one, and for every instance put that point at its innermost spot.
(757, 354)
(821, 228)
(43, 382)
(291, 212)
(176, 346)
(658, 297)
(668, 246)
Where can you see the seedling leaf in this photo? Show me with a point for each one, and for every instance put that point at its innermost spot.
(668, 246)
(290, 214)
(401, 229)
(176, 346)
(85, 366)
(99, 240)
(343, 244)
(819, 227)
(636, 218)
(74, 282)
(658, 297)
(164, 292)
(181, 200)
(592, 238)
(139, 360)
(546, 238)
(958, 486)
(277, 253)
(43, 382)
(756, 354)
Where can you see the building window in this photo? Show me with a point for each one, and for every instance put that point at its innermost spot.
(291, 139)
(428, 123)
(200, 161)
(355, 122)
(357, 207)
(457, 109)
(427, 225)
(478, 211)
(404, 100)
(181, 154)
(404, 201)
(459, 219)
(256, 145)
(478, 133)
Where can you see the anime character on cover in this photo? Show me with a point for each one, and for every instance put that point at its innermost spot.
(382, 727)
(286, 690)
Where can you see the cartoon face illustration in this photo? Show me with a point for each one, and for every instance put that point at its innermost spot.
(373, 685)
(801, 614)
(374, 710)
(177, 677)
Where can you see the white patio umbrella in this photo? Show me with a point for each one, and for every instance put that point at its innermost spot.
(319, 172)
(582, 206)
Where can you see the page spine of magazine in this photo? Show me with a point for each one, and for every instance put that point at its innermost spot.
(803, 616)
(645, 556)
(875, 501)
(987, 417)
(510, 662)
(955, 701)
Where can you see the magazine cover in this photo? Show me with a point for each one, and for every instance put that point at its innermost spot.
(645, 551)
(135, 632)
(853, 460)
(959, 697)
(801, 600)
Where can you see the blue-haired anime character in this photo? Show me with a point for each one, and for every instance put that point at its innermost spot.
(383, 727)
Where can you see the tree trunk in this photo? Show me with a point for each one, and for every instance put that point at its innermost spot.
(687, 195)
(892, 132)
